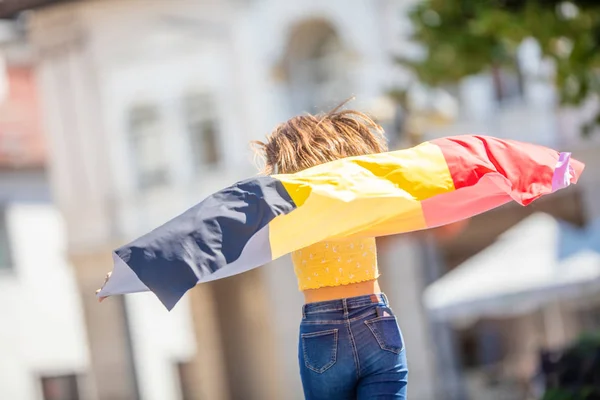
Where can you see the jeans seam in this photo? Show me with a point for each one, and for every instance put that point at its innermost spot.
(354, 351)
(339, 321)
(383, 301)
(324, 310)
(325, 322)
(352, 307)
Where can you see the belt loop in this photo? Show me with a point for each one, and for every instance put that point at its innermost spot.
(345, 307)
(304, 311)
(385, 299)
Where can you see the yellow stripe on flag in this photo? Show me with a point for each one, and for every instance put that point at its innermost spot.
(375, 195)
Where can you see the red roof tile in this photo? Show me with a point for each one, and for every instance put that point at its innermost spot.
(21, 138)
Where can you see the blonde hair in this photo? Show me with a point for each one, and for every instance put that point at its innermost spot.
(308, 140)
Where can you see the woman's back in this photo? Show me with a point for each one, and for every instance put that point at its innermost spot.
(350, 345)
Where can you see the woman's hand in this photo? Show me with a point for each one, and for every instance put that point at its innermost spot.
(98, 291)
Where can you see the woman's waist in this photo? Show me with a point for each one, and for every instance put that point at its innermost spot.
(338, 293)
(342, 307)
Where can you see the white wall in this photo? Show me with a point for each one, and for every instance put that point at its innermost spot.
(286, 310)
(118, 66)
(141, 59)
(403, 282)
(164, 84)
(160, 340)
(139, 70)
(229, 50)
(41, 328)
(267, 31)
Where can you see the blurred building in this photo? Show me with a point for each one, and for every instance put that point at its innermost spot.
(42, 335)
(499, 352)
(149, 106)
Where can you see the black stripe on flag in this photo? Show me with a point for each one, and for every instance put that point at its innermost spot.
(172, 258)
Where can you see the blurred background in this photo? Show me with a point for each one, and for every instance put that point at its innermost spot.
(116, 115)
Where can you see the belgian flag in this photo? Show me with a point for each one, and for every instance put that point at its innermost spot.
(263, 218)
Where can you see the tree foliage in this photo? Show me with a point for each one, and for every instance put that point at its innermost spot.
(466, 37)
(574, 373)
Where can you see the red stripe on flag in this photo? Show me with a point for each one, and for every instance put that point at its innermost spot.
(528, 168)
(489, 192)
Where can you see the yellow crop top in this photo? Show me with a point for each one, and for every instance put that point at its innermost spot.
(336, 263)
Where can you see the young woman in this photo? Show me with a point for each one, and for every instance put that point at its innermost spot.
(350, 345)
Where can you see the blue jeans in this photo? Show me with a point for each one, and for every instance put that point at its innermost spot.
(352, 349)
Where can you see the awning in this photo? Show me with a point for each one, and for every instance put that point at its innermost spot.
(520, 272)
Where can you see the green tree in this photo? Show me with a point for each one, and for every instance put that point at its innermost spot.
(466, 37)
(574, 373)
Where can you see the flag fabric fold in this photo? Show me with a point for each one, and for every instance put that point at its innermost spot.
(261, 219)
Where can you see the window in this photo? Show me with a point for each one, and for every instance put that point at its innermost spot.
(202, 124)
(5, 251)
(481, 345)
(508, 84)
(147, 140)
(62, 387)
(317, 66)
(590, 318)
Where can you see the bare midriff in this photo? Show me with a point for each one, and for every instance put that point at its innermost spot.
(342, 292)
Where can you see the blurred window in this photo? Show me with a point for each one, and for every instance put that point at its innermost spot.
(590, 318)
(146, 134)
(481, 345)
(508, 84)
(5, 251)
(63, 387)
(317, 67)
(467, 341)
(202, 125)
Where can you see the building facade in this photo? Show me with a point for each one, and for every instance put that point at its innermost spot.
(42, 335)
(149, 107)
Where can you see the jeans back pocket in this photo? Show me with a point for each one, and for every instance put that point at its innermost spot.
(387, 333)
(320, 350)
